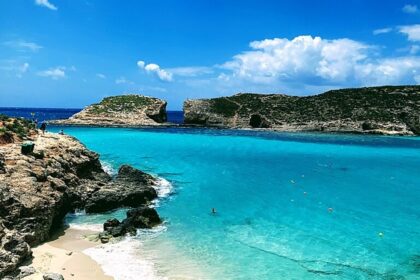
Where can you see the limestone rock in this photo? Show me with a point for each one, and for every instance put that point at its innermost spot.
(141, 217)
(122, 110)
(36, 193)
(131, 188)
(379, 110)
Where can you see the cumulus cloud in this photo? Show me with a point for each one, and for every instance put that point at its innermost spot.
(382, 31)
(46, 4)
(22, 45)
(314, 61)
(410, 9)
(303, 57)
(54, 73)
(162, 74)
(412, 32)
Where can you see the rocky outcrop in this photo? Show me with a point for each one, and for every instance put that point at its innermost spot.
(142, 217)
(131, 188)
(123, 110)
(37, 192)
(383, 110)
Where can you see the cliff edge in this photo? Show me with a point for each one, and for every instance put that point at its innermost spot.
(38, 188)
(379, 110)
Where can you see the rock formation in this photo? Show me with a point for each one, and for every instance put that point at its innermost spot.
(384, 110)
(141, 217)
(36, 192)
(123, 110)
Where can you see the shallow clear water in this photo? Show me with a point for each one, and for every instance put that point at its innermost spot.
(289, 206)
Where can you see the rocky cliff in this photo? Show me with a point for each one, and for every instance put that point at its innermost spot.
(122, 110)
(384, 110)
(37, 190)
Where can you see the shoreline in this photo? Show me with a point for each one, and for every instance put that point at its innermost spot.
(64, 255)
(217, 127)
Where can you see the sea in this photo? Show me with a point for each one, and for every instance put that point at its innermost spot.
(288, 205)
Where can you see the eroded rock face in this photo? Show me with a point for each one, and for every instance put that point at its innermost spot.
(123, 110)
(131, 188)
(141, 217)
(383, 110)
(36, 193)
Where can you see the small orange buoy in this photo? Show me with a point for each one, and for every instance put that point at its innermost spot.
(330, 210)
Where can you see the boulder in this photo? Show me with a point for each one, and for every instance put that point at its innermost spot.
(131, 188)
(26, 271)
(141, 217)
(52, 276)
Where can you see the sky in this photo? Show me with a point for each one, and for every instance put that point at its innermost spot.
(71, 53)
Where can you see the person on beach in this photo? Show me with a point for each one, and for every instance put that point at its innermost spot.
(43, 127)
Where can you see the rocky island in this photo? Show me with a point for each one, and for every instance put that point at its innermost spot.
(122, 110)
(60, 175)
(379, 110)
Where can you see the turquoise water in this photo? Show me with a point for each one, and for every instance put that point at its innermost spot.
(289, 206)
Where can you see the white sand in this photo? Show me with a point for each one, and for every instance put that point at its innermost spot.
(64, 256)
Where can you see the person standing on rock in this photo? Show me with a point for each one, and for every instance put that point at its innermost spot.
(43, 127)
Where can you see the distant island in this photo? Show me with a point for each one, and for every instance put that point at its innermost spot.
(391, 110)
(379, 110)
(123, 110)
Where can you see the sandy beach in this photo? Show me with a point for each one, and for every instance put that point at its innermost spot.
(64, 255)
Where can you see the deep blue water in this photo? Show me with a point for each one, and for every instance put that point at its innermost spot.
(45, 114)
(289, 205)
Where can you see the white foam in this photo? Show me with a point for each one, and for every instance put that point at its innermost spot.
(121, 260)
(90, 227)
(78, 212)
(108, 168)
(163, 187)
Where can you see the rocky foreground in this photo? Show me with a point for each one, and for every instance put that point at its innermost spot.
(379, 110)
(123, 110)
(37, 190)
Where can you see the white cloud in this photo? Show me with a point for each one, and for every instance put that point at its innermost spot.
(54, 73)
(47, 4)
(141, 64)
(410, 9)
(382, 31)
(123, 80)
(307, 61)
(303, 57)
(22, 45)
(192, 71)
(162, 74)
(100, 76)
(412, 32)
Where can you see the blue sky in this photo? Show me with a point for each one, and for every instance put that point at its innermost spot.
(70, 53)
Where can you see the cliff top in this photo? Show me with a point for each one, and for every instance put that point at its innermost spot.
(372, 107)
(122, 103)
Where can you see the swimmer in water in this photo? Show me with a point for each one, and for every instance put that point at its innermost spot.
(213, 211)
